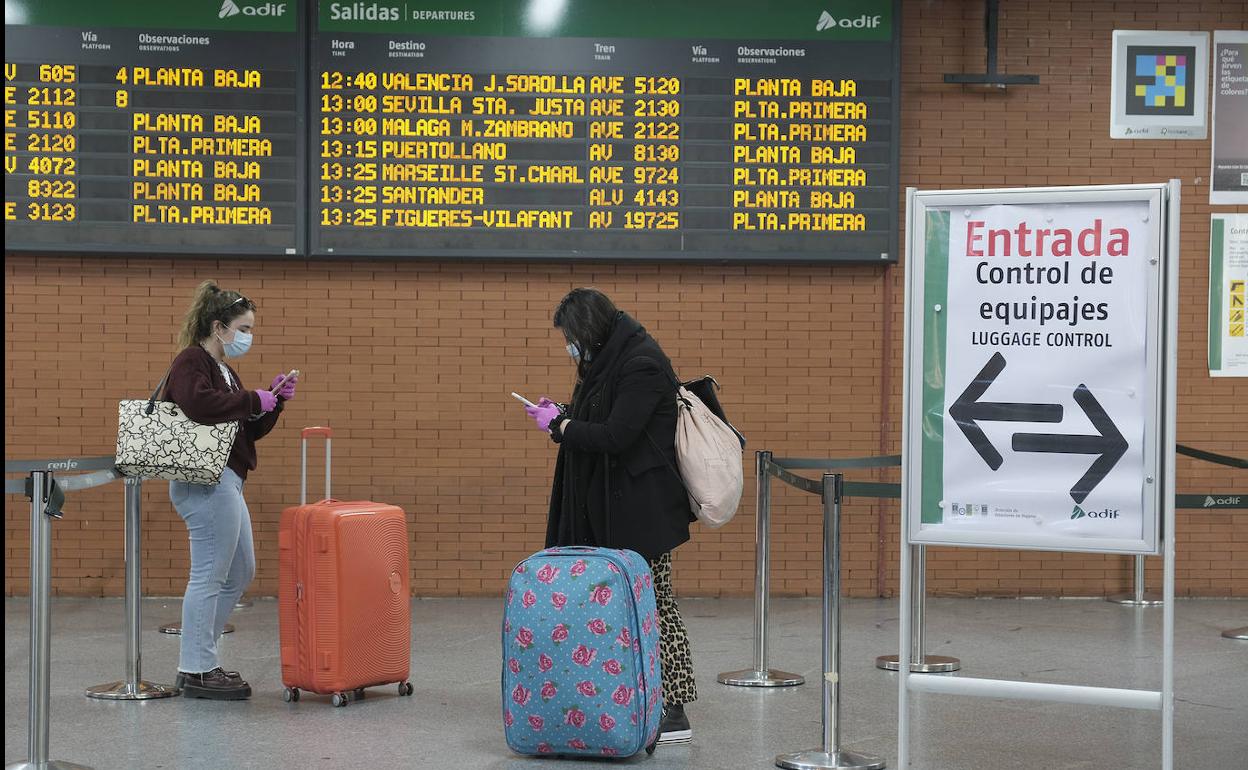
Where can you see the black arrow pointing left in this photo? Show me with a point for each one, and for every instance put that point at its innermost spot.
(1109, 444)
(968, 411)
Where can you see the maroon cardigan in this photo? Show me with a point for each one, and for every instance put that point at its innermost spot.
(198, 387)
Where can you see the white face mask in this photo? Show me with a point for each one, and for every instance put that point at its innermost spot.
(237, 346)
(573, 350)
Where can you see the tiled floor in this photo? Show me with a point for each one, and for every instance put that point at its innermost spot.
(453, 721)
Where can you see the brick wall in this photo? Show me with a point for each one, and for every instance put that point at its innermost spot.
(411, 362)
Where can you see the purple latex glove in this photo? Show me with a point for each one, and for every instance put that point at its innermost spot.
(542, 414)
(268, 401)
(287, 391)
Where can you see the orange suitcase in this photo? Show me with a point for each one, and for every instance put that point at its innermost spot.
(343, 606)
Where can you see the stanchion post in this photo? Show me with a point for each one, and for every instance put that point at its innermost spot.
(133, 687)
(1137, 597)
(921, 662)
(761, 675)
(40, 630)
(831, 756)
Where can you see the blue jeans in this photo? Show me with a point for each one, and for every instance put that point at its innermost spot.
(223, 562)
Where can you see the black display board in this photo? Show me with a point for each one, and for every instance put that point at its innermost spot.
(697, 130)
(560, 129)
(150, 126)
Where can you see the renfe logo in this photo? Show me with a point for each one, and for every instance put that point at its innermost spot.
(827, 21)
(1079, 513)
(230, 8)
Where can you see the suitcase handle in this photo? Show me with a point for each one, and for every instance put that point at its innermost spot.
(304, 435)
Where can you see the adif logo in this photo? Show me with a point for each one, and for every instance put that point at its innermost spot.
(1107, 513)
(827, 21)
(230, 8)
(1211, 501)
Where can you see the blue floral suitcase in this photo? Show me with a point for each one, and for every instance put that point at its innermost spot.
(581, 671)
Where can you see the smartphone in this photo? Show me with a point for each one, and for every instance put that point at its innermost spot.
(289, 375)
(522, 399)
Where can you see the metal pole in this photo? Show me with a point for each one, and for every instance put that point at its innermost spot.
(40, 630)
(921, 662)
(831, 756)
(133, 687)
(761, 675)
(1236, 633)
(1137, 597)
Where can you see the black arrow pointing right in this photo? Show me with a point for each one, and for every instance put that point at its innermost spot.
(968, 410)
(1109, 444)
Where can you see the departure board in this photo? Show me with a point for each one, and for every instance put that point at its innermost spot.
(698, 130)
(154, 126)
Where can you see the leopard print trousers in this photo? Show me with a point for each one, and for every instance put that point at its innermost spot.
(678, 685)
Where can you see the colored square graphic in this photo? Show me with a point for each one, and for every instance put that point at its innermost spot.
(1159, 81)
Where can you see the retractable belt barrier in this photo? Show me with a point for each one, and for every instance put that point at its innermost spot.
(767, 467)
(46, 486)
(47, 497)
(1137, 596)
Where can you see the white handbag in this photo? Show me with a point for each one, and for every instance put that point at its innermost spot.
(155, 439)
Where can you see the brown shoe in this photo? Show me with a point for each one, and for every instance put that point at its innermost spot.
(214, 685)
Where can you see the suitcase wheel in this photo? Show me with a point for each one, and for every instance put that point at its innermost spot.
(359, 694)
(650, 749)
(290, 694)
(405, 688)
(340, 699)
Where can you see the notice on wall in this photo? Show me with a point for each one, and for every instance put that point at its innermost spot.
(1228, 293)
(1160, 85)
(1228, 178)
(1037, 326)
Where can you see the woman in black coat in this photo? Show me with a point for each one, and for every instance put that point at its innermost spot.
(616, 484)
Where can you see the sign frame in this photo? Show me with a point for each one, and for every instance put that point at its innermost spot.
(1160, 700)
(1124, 125)
(1228, 242)
(1223, 192)
(1158, 402)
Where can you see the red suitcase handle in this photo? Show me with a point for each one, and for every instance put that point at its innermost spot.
(322, 431)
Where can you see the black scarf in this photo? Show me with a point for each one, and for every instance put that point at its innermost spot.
(591, 402)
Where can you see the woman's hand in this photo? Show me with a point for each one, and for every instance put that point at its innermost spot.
(287, 391)
(542, 413)
(268, 401)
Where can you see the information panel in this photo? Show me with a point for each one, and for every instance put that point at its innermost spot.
(694, 130)
(1036, 405)
(151, 126)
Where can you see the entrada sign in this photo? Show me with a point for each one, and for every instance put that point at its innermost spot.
(1035, 367)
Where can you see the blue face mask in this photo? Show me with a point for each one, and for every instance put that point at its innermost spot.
(573, 350)
(237, 346)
